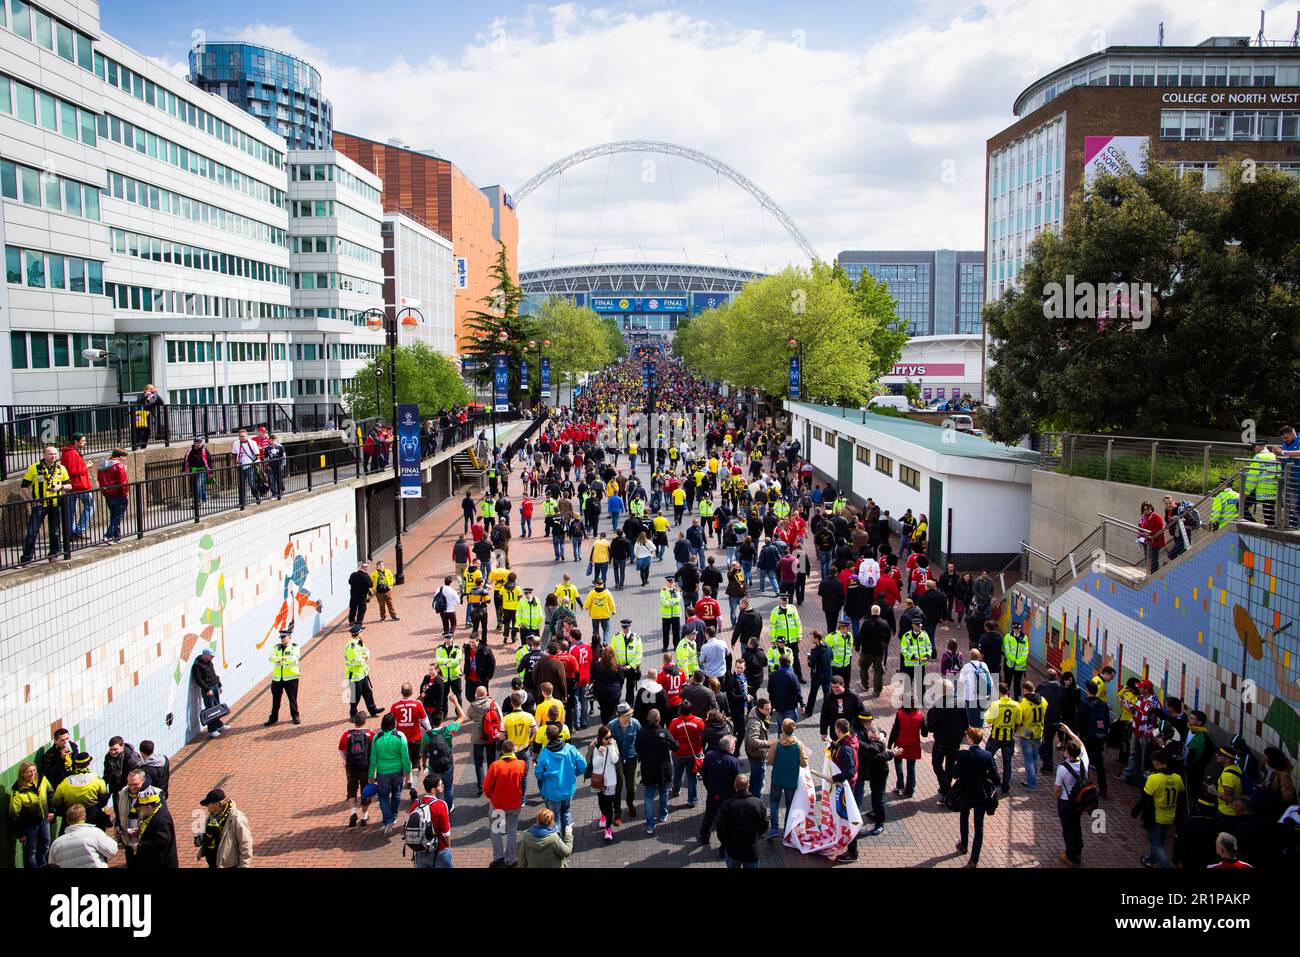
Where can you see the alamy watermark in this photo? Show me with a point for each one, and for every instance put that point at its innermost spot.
(1124, 301)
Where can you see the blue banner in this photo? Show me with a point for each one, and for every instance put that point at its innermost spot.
(523, 376)
(707, 300)
(546, 377)
(647, 375)
(638, 303)
(501, 384)
(408, 450)
(795, 391)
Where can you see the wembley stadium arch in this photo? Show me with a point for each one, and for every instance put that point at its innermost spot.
(649, 300)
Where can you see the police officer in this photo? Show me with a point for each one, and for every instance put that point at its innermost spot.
(781, 509)
(487, 510)
(1224, 508)
(450, 658)
(1261, 483)
(1015, 656)
(492, 479)
(549, 508)
(707, 508)
(284, 676)
(528, 616)
(917, 650)
(785, 626)
(840, 644)
(627, 651)
(670, 613)
(687, 655)
(356, 659)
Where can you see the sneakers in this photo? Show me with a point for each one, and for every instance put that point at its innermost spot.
(602, 821)
(270, 721)
(395, 618)
(609, 836)
(352, 821)
(876, 831)
(297, 720)
(773, 835)
(214, 734)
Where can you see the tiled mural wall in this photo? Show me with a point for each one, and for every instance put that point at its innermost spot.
(106, 648)
(1220, 629)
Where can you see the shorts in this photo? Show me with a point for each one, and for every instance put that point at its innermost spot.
(356, 781)
(413, 749)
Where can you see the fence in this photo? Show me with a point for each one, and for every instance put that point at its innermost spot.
(26, 430)
(1179, 465)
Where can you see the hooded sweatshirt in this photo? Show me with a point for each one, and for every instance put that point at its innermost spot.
(76, 466)
(111, 476)
(558, 768)
(544, 847)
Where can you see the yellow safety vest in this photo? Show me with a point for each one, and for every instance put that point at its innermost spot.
(916, 648)
(1015, 652)
(1224, 508)
(529, 614)
(1261, 476)
(356, 659)
(670, 603)
(548, 508)
(284, 662)
(686, 656)
(785, 624)
(841, 646)
(627, 649)
(487, 508)
(450, 661)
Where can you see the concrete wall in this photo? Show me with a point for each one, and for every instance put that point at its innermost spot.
(104, 646)
(1063, 508)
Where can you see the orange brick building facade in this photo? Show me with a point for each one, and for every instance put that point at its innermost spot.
(435, 191)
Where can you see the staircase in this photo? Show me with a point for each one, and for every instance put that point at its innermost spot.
(468, 467)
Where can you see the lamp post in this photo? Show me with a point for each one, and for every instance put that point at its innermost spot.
(376, 319)
(540, 347)
(95, 355)
(798, 344)
(379, 377)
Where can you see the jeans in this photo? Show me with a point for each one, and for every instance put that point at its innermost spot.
(504, 827)
(643, 566)
(824, 559)
(390, 794)
(557, 546)
(699, 554)
(37, 846)
(1029, 751)
(600, 626)
(655, 812)
(620, 573)
(52, 515)
(1156, 838)
(614, 518)
(440, 860)
(116, 509)
(910, 786)
(199, 488)
(763, 577)
(747, 566)
(275, 478)
(684, 766)
(563, 811)
(1139, 758)
(599, 570)
(979, 811)
(526, 527)
(774, 807)
(1007, 749)
(824, 685)
(731, 555)
(733, 605)
(735, 864)
(81, 508)
(757, 776)
(778, 717)
(583, 709)
(484, 755)
(247, 477)
(577, 548)
(1071, 830)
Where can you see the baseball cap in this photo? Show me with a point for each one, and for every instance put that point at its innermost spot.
(77, 436)
(205, 653)
(623, 708)
(215, 796)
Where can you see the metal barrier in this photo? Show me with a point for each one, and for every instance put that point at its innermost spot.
(1179, 465)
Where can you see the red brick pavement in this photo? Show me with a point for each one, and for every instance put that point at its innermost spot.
(289, 779)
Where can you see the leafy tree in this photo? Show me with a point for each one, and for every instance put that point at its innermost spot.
(498, 327)
(849, 333)
(580, 339)
(1217, 344)
(424, 376)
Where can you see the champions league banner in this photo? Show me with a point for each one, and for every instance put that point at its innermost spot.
(408, 450)
(501, 384)
(546, 377)
(523, 376)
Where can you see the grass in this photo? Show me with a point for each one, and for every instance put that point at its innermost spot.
(1174, 474)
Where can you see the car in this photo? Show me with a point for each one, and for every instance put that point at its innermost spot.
(890, 402)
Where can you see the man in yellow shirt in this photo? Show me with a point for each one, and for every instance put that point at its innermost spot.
(599, 557)
(600, 605)
(1033, 710)
(519, 726)
(497, 581)
(511, 595)
(47, 480)
(1164, 790)
(1229, 786)
(1003, 718)
(567, 592)
(659, 524)
(679, 504)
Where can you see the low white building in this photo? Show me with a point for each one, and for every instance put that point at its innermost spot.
(940, 366)
(974, 493)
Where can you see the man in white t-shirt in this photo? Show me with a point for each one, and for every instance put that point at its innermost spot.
(246, 453)
(449, 602)
(1071, 774)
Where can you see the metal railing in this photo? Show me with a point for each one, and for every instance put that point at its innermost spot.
(1179, 465)
(1130, 551)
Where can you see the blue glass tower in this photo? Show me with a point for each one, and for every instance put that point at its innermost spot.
(280, 90)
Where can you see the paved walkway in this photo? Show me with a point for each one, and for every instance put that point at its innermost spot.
(289, 779)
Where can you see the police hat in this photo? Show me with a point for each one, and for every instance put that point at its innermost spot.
(625, 622)
(357, 628)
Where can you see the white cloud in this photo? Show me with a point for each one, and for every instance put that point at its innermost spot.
(851, 141)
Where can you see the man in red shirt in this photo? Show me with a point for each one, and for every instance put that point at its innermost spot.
(439, 855)
(672, 679)
(354, 745)
(412, 722)
(81, 500)
(688, 731)
(477, 530)
(526, 518)
(708, 610)
(504, 788)
(579, 652)
(887, 591)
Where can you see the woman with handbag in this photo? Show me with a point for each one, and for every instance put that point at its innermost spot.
(975, 780)
(605, 770)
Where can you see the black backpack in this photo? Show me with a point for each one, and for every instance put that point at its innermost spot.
(438, 753)
(439, 601)
(356, 756)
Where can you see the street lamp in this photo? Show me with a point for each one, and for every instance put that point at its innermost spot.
(379, 377)
(375, 319)
(96, 355)
(797, 344)
(533, 344)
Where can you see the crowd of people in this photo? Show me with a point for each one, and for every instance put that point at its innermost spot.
(556, 690)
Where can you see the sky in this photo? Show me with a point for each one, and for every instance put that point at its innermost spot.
(865, 122)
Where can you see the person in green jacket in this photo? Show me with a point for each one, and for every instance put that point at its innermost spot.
(545, 845)
(390, 764)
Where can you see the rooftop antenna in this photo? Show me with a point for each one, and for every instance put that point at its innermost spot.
(1295, 37)
(1259, 39)
(1160, 35)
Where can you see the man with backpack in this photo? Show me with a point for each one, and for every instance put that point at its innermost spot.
(1181, 519)
(436, 749)
(354, 745)
(1076, 796)
(484, 732)
(446, 601)
(428, 827)
(1096, 715)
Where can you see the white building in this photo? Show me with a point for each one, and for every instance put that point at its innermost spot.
(940, 366)
(974, 493)
(419, 273)
(336, 253)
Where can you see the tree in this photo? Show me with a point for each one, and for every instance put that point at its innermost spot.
(580, 339)
(1214, 343)
(498, 328)
(425, 377)
(850, 335)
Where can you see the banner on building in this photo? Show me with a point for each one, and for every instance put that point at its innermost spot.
(408, 450)
(501, 384)
(1116, 155)
(795, 391)
(822, 821)
(462, 273)
(523, 376)
(546, 377)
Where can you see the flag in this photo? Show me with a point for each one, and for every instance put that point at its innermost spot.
(822, 821)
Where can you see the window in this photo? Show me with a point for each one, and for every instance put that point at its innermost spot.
(817, 433)
(884, 465)
(18, 349)
(909, 477)
(863, 455)
(40, 343)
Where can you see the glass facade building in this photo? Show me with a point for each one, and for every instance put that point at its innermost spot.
(939, 292)
(280, 90)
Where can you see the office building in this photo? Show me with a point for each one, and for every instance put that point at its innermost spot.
(281, 90)
(419, 283)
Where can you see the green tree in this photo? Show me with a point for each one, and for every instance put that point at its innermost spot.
(1217, 344)
(580, 339)
(498, 327)
(425, 377)
(849, 334)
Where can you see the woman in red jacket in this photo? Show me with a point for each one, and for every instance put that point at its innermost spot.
(1153, 537)
(907, 732)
